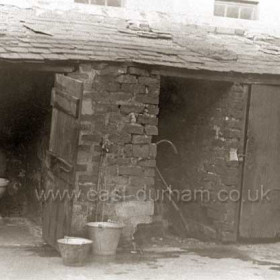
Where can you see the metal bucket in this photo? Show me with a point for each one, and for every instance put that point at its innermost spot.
(74, 251)
(105, 237)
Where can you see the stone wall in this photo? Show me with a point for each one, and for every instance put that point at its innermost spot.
(116, 153)
(206, 121)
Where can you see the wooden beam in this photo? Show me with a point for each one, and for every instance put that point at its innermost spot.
(41, 67)
(221, 76)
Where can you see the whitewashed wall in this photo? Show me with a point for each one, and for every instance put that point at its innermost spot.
(150, 5)
(200, 9)
(269, 11)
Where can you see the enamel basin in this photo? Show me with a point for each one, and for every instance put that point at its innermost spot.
(3, 184)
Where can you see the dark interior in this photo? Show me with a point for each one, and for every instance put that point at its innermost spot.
(25, 115)
(188, 113)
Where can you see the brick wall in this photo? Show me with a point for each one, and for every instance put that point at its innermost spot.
(206, 121)
(116, 153)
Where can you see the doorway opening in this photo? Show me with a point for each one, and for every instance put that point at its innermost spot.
(205, 120)
(25, 117)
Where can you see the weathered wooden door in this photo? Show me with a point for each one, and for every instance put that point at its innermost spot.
(260, 207)
(61, 158)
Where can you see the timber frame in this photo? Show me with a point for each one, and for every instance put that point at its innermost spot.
(232, 77)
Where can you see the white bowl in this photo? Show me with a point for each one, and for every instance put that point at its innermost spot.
(74, 241)
(4, 182)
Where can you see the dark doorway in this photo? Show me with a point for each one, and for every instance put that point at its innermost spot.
(25, 114)
(205, 120)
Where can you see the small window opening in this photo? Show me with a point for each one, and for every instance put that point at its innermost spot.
(239, 9)
(112, 3)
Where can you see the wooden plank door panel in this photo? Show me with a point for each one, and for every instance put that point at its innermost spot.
(260, 219)
(61, 158)
(65, 103)
(64, 135)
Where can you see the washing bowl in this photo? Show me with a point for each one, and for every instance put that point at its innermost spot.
(3, 185)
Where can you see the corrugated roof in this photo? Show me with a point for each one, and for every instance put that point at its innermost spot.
(28, 36)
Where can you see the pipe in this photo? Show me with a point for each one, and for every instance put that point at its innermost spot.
(170, 143)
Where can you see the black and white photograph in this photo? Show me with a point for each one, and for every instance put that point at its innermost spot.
(139, 139)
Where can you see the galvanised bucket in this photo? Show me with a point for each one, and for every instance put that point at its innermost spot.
(74, 251)
(105, 237)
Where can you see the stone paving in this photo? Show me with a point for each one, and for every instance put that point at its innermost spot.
(162, 258)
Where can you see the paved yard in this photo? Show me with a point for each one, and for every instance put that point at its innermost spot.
(23, 257)
(225, 263)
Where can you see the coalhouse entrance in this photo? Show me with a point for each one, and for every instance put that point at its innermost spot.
(39, 129)
(227, 136)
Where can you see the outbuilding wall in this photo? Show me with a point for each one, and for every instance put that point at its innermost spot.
(206, 122)
(116, 152)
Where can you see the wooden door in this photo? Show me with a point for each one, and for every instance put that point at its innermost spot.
(260, 219)
(61, 158)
